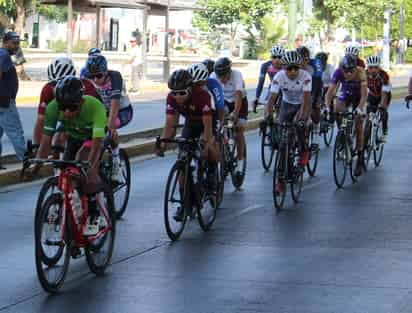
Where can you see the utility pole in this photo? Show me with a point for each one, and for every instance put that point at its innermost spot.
(69, 28)
(292, 21)
(401, 32)
(386, 38)
(166, 62)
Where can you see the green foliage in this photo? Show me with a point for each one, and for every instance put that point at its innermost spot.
(408, 56)
(60, 46)
(53, 12)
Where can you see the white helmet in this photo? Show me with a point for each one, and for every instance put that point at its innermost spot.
(60, 68)
(373, 60)
(277, 51)
(199, 72)
(352, 50)
(292, 57)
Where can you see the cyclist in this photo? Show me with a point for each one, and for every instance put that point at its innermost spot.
(193, 102)
(270, 68)
(352, 50)
(84, 120)
(112, 90)
(314, 68)
(235, 102)
(296, 86)
(57, 70)
(379, 87)
(210, 64)
(352, 79)
(92, 52)
(327, 76)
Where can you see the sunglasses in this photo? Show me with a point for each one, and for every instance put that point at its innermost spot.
(180, 93)
(349, 71)
(97, 76)
(276, 57)
(292, 68)
(70, 108)
(373, 67)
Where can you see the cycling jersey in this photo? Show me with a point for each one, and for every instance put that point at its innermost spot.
(271, 71)
(292, 90)
(235, 83)
(84, 72)
(90, 123)
(113, 88)
(216, 90)
(350, 88)
(378, 83)
(47, 94)
(197, 106)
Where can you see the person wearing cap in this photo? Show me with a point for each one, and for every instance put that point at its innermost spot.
(136, 64)
(10, 123)
(84, 74)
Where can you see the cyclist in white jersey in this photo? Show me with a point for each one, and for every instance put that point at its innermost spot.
(296, 86)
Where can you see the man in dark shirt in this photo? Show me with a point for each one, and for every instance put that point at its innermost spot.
(9, 84)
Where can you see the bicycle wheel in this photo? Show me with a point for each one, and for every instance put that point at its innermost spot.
(206, 209)
(49, 188)
(50, 241)
(313, 155)
(378, 151)
(328, 133)
(221, 175)
(368, 143)
(353, 159)
(297, 179)
(99, 252)
(279, 187)
(238, 177)
(340, 160)
(174, 200)
(267, 146)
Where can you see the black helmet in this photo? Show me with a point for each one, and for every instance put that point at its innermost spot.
(69, 92)
(322, 56)
(223, 66)
(210, 64)
(96, 64)
(180, 80)
(304, 52)
(348, 62)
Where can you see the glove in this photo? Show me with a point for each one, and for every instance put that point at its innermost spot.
(360, 111)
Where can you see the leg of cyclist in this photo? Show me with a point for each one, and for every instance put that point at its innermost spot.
(384, 113)
(240, 133)
(359, 125)
(315, 115)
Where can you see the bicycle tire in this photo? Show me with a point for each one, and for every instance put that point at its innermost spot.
(279, 197)
(40, 217)
(237, 180)
(221, 174)
(266, 145)
(369, 145)
(378, 153)
(208, 197)
(313, 156)
(171, 184)
(297, 179)
(328, 135)
(93, 248)
(339, 151)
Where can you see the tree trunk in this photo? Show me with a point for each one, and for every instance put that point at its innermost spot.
(21, 16)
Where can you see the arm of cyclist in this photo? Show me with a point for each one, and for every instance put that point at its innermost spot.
(364, 94)
(333, 87)
(114, 112)
(169, 131)
(238, 104)
(261, 82)
(306, 108)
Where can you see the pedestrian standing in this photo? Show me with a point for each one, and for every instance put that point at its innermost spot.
(136, 64)
(9, 84)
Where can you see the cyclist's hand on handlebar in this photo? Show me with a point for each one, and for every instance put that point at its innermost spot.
(361, 112)
(408, 98)
(160, 147)
(114, 135)
(255, 104)
(31, 172)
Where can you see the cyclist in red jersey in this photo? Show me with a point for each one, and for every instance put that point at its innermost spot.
(379, 88)
(57, 70)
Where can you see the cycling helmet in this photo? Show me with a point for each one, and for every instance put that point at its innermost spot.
(304, 52)
(352, 50)
(292, 58)
(60, 68)
(210, 64)
(348, 62)
(180, 80)
(223, 66)
(277, 51)
(69, 92)
(198, 72)
(96, 64)
(373, 60)
(323, 56)
(94, 51)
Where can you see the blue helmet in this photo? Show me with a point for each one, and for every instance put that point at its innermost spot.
(94, 51)
(96, 64)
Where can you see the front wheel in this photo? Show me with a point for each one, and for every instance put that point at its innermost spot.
(378, 151)
(279, 187)
(313, 154)
(267, 146)
(99, 252)
(51, 240)
(329, 130)
(297, 179)
(340, 157)
(208, 204)
(238, 174)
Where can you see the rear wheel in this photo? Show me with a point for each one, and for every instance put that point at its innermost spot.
(52, 243)
(328, 132)
(174, 200)
(99, 252)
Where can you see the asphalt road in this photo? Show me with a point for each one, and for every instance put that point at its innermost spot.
(343, 251)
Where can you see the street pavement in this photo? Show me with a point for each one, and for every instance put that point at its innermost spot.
(337, 251)
(148, 112)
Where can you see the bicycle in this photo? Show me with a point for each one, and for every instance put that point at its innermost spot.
(287, 168)
(313, 151)
(327, 125)
(189, 189)
(230, 154)
(373, 137)
(344, 151)
(59, 224)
